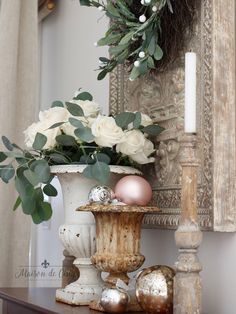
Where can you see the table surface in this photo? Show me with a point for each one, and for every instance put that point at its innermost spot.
(41, 300)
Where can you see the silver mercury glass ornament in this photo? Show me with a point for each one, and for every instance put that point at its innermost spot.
(114, 300)
(101, 194)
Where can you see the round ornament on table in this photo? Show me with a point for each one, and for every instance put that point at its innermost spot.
(154, 289)
(133, 190)
(101, 194)
(114, 300)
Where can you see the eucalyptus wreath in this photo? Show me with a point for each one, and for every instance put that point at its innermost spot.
(148, 34)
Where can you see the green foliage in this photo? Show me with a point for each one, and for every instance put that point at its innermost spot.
(84, 134)
(127, 36)
(39, 141)
(124, 119)
(74, 109)
(30, 169)
(57, 103)
(84, 96)
(99, 171)
(153, 129)
(29, 173)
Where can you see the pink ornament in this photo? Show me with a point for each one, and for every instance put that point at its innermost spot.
(133, 190)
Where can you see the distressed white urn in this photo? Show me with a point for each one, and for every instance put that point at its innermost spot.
(78, 233)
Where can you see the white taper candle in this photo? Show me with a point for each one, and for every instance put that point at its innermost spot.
(190, 92)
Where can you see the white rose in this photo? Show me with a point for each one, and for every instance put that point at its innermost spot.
(90, 108)
(145, 120)
(142, 157)
(46, 119)
(132, 143)
(106, 132)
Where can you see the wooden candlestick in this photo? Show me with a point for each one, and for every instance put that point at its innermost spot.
(188, 237)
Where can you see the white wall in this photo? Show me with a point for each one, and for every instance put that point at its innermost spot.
(68, 62)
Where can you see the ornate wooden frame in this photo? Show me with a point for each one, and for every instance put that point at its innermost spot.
(162, 97)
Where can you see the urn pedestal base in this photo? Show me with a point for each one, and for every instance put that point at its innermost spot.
(87, 288)
(118, 229)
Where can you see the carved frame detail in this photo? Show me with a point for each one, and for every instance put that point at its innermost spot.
(162, 97)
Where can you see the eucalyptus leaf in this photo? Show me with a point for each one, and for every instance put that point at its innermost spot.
(14, 154)
(7, 172)
(28, 204)
(100, 172)
(42, 170)
(2, 156)
(22, 185)
(103, 158)
(36, 217)
(59, 158)
(137, 120)
(46, 211)
(153, 129)
(56, 125)
(74, 109)
(7, 143)
(124, 119)
(39, 141)
(87, 172)
(85, 159)
(84, 134)
(21, 161)
(66, 140)
(102, 75)
(84, 96)
(32, 177)
(17, 203)
(85, 3)
(49, 190)
(57, 103)
(104, 60)
(76, 123)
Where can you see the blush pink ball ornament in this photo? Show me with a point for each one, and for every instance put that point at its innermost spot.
(133, 190)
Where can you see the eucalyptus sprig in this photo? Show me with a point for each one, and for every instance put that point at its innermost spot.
(134, 34)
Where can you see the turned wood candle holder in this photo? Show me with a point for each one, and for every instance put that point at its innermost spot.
(118, 230)
(188, 237)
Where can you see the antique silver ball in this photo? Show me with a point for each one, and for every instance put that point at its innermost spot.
(101, 194)
(154, 289)
(114, 300)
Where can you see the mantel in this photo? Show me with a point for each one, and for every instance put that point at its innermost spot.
(37, 300)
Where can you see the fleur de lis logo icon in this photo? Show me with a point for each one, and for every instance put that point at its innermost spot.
(45, 264)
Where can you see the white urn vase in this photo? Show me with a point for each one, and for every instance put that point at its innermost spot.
(78, 233)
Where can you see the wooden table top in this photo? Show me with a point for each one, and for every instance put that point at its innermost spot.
(42, 300)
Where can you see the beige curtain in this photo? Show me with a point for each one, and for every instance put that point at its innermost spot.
(18, 108)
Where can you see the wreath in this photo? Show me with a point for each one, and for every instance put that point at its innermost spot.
(147, 35)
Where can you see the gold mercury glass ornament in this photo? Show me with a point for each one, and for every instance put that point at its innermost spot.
(154, 289)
